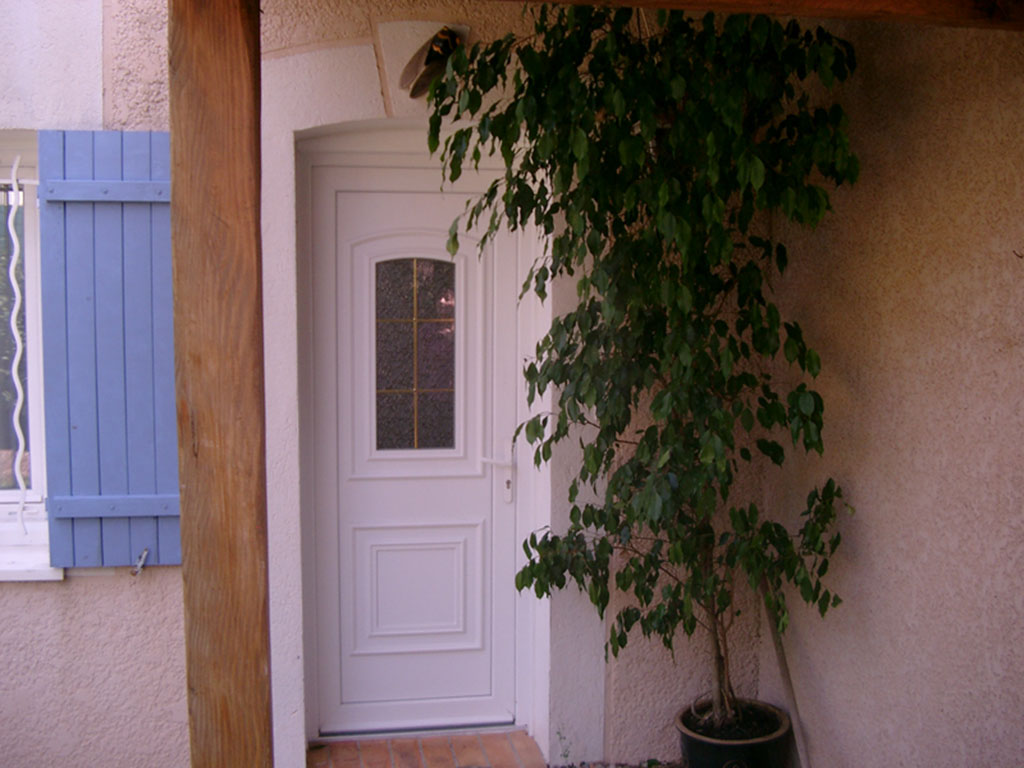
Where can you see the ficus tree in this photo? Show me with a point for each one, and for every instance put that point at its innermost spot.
(651, 152)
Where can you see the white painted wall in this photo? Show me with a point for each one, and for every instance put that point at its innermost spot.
(338, 84)
(51, 70)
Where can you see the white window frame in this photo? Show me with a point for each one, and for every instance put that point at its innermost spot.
(25, 551)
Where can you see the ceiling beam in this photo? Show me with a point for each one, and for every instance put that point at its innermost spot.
(218, 328)
(993, 14)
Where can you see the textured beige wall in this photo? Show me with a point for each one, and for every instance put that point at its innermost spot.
(913, 295)
(915, 299)
(91, 671)
(51, 68)
(300, 23)
(135, 92)
(91, 668)
(646, 686)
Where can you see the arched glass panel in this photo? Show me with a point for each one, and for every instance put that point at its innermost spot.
(415, 352)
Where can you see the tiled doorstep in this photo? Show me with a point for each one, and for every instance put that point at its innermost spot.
(512, 749)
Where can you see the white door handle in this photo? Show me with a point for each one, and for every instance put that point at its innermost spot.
(507, 486)
(496, 462)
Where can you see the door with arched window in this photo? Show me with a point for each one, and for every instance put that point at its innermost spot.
(413, 378)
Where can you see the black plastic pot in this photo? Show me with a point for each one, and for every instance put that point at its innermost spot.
(771, 751)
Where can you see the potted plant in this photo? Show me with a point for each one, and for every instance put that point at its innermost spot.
(652, 153)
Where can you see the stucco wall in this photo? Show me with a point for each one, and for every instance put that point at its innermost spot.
(288, 25)
(914, 296)
(91, 672)
(51, 68)
(135, 95)
(646, 685)
(92, 668)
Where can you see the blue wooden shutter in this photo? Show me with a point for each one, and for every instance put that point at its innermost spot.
(108, 364)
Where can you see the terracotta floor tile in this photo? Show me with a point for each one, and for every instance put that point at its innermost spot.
(526, 748)
(345, 754)
(499, 750)
(375, 754)
(437, 752)
(467, 750)
(514, 749)
(406, 753)
(318, 757)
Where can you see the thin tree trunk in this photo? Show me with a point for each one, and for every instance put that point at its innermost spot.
(718, 704)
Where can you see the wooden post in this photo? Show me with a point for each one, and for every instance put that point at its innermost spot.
(215, 229)
(994, 14)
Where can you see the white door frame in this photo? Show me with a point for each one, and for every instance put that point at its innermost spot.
(380, 144)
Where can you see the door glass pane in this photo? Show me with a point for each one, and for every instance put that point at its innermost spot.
(415, 352)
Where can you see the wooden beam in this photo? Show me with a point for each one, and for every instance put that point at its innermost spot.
(218, 325)
(994, 14)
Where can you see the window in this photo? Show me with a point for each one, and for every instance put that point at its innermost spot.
(93, 261)
(24, 552)
(415, 353)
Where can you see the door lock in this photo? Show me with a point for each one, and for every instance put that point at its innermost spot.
(507, 468)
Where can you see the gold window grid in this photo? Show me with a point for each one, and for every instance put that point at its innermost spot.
(415, 320)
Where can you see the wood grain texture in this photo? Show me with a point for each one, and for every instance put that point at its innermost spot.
(215, 219)
(996, 14)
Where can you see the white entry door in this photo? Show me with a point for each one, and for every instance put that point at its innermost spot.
(413, 376)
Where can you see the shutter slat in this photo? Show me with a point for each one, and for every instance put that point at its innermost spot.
(88, 543)
(144, 536)
(138, 321)
(168, 528)
(113, 481)
(159, 534)
(169, 532)
(81, 346)
(160, 158)
(110, 358)
(163, 341)
(116, 537)
(55, 382)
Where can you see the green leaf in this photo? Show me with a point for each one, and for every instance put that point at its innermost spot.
(452, 245)
(772, 450)
(813, 363)
(806, 403)
(756, 173)
(791, 349)
(747, 419)
(707, 453)
(546, 145)
(580, 143)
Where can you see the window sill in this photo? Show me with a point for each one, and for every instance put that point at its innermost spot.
(27, 563)
(25, 552)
